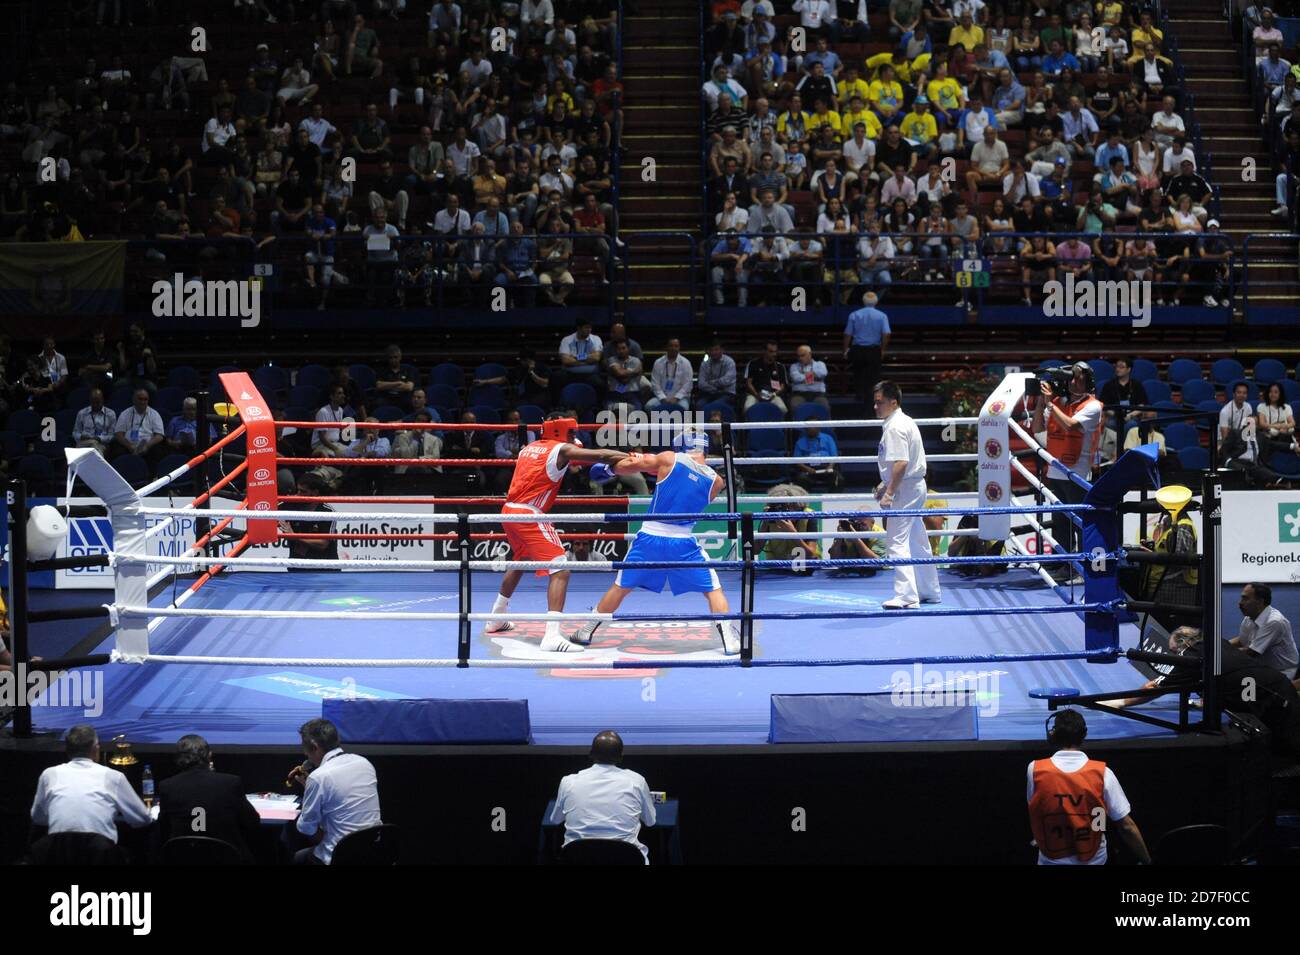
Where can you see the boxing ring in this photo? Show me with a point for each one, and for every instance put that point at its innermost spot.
(241, 645)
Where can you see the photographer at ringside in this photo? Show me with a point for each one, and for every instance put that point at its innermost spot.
(1072, 416)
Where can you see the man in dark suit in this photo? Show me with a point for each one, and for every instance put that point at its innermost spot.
(226, 813)
(732, 180)
(467, 444)
(1154, 74)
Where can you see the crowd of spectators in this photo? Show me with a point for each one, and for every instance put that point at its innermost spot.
(1275, 73)
(490, 139)
(975, 124)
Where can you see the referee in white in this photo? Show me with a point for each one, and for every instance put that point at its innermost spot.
(902, 476)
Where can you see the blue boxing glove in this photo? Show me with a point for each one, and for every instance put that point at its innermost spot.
(601, 473)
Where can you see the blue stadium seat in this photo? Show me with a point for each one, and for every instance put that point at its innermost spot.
(448, 373)
(1225, 370)
(1269, 370)
(306, 396)
(35, 469)
(1181, 369)
(184, 377)
(1291, 389)
(77, 398)
(1285, 463)
(133, 469)
(53, 449)
(579, 395)
(271, 380)
(214, 380)
(490, 395)
(363, 375)
(1180, 435)
(389, 413)
(490, 369)
(811, 410)
(1144, 370)
(26, 422)
(444, 396)
(313, 376)
(486, 414)
(12, 445)
(120, 398)
(1196, 390)
(167, 401)
(1211, 406)
(531, 414)
(1157, 391)
(1103, 369)
(724, 405)
(65, 421)
(1193, 459)
(764, 411)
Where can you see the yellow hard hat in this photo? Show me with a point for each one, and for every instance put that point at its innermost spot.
(1174, 497)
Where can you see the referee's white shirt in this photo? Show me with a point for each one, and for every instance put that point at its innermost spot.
(901, 441)
(83, 796)
(341, 796)
(1117, 807)
(604, 802)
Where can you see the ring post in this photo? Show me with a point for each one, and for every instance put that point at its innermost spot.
(16, 498)
(463, 545)
(203, 441)
(729, 467)
(747, 588)
(1211, 597)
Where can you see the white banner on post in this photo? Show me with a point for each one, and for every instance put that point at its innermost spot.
(995, 454)
(1261, 537)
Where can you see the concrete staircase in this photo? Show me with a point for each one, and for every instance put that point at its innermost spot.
(661, 67)
(1231, 133)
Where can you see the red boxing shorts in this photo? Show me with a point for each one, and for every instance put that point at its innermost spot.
(533, 541)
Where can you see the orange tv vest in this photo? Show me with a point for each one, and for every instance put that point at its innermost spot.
(1061, 812)
(1066, 444)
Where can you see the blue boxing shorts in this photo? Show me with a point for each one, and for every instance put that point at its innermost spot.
(656, 547)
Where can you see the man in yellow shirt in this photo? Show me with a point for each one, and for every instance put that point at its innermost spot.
(825, 116)
(852, 85)
(945, 93)
(967, 33)
(1147, 32)
(897, 59)
(920, 128)
(1111, 13)
(858, 113)
(792, 125)
(886, 95)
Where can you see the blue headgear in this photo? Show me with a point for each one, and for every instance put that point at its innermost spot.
(691, 440)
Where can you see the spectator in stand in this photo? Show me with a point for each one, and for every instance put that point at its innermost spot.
(371, 139)
(815, 443)
(1273, 70)
(516, 260)
(1239, 439)
(140, 430)
(293, 203)
(767, 380)
(388, 192)
(671, 379)
(137, 361)
(328, 442)
(1289, 164)
(381, 254)
(95, 424)
(182, 430)
(393, 383)
(1264, 631)
(1154, 75)
(1266, 35)
(807, 380)
(1123, 392)
(990, 163)
(84, 797)
(1212, 266)
(555, 254)
(623, 377)
(717, 378)
(875, 254)
(216, 134)
(1276, 426)
(580, 355)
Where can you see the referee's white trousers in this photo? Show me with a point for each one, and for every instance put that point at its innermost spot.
(908, 537)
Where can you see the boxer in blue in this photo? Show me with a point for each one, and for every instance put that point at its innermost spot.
(684, 485)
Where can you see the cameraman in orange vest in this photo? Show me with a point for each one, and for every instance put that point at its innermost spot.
(1073, 800)
(1074, 423)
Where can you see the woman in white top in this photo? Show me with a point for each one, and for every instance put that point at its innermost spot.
(731, 216)
(1185, 221)
(997, 219)
(834, 218)
(1000, 35)
(1276, 422)
(1148, 160)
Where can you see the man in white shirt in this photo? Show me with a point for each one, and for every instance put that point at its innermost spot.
(1063, 791)
(1237, 418)
(340, 792)
(453, 220)
(463, 153)
(723, 85)
(83, 796)
(140, 430)
(901, 458)
(53, 363)
(604, 801)
(216, 133)
(858, 155)
(1166, 123)
(671, 378)
(1265, 632)
(95, 424)
(318, 128)
(328, 442)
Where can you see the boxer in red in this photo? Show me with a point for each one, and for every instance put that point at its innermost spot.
(539, 471)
